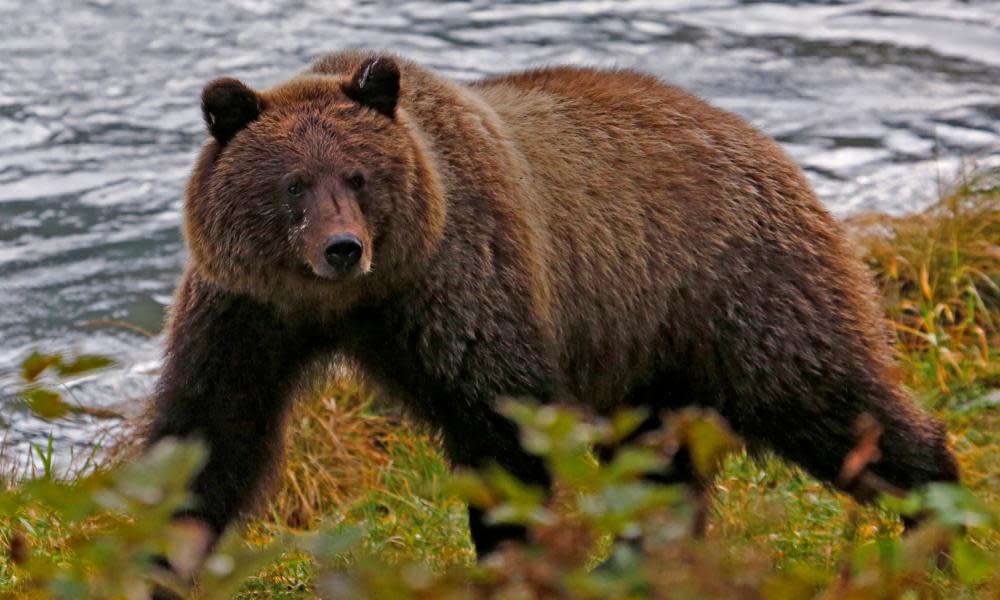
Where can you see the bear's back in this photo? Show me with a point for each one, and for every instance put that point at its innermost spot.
(652, 198)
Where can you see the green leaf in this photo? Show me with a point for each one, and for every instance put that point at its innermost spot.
(329, 544)
(972, 564)
(84, 363)
(512, 488)
(470, 487)
(631, 463)
(625, 421)
(36, 363)
(956, 506)
(46, 404)
(708, 441)
(911, 505)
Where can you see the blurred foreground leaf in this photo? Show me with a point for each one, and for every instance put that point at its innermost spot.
(36, 363)
(84, 363)
(45, 403)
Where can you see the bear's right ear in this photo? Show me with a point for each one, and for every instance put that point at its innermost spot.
(376, 85)
(229, 106)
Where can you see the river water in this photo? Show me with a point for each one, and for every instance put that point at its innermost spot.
(880, 102)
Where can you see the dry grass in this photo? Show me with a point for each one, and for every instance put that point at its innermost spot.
(337, 445)
(938, 273)
(350, 460)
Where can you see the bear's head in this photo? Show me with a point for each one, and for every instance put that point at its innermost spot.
(317, 189)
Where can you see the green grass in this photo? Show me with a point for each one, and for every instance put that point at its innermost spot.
(774, 532)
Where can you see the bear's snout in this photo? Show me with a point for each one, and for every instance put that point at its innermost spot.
(343, 252)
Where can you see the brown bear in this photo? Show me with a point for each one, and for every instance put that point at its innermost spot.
(566, 234)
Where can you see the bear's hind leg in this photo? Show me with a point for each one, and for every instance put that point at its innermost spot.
(907, 448)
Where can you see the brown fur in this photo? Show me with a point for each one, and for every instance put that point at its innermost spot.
(570, 234)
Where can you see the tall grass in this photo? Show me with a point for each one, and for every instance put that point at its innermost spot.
(939, 276)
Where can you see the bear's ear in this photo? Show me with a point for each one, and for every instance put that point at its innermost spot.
(228, 106)
(376, 85)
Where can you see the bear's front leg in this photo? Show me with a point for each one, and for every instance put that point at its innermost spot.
(477, 439)
(230, 370)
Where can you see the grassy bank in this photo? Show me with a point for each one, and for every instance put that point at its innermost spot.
(363, 488)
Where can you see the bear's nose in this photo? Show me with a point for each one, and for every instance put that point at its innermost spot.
(343, 251)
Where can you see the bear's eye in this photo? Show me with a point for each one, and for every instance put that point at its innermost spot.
(356, 181)
(295, 189)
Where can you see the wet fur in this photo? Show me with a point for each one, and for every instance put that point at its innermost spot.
(573, 235)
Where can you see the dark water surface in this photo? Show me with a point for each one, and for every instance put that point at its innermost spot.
(99, 124)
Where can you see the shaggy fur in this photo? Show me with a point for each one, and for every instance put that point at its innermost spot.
(572, 235)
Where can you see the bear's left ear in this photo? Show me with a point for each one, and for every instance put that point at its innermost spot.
(376, 85)
(229, 106)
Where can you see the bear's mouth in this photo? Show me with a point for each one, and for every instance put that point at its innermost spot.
(306, 271)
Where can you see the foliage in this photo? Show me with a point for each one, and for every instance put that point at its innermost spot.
(47, 403)
(113, 522)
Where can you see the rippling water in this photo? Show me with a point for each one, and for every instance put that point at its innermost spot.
(99, 123)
